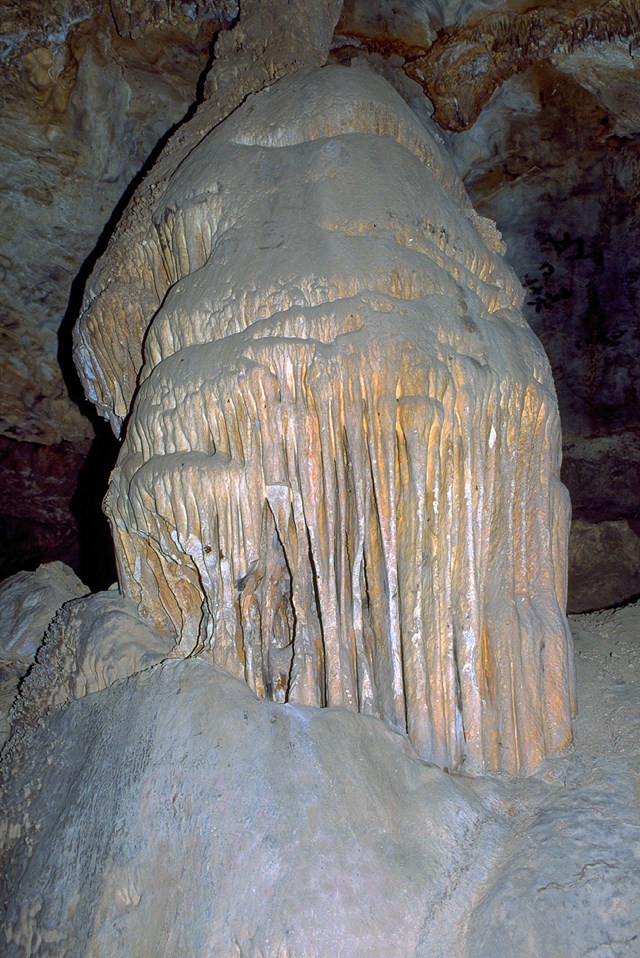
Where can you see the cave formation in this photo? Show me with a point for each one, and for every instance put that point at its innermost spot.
(314, 569)
(545, 117)
(340, 473)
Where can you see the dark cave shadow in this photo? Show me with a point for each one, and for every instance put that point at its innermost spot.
(96, 560)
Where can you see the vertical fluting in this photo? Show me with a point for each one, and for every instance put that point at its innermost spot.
(339, 478)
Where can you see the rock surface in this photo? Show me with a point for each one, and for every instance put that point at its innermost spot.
(28, 603)
(90, 644)
(262, 829)
(174, 814)
(66, 163)
(607, 553)
(517, 72)
(568, 882)
(522, 162)
(50, 507)
(65, 182)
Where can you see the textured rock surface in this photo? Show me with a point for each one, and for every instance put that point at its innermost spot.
(38, 483)
(62, 175)
(467, 64)
(522, 162)
(340, 474)
(606, 553)
(260, 829)
(90, 644)
(568, 879)
(559, 132)
(66, 161)
(175, 815)
(28, 603)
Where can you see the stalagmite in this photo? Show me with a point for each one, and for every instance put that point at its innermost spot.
(339, 477)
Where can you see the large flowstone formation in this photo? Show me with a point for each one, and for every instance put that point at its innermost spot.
(340, 470)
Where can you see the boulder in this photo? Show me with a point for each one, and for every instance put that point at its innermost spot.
(604, 564)
(28, 603)
(175, 814)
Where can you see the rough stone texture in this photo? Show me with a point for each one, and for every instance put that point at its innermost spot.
(606, 553)
(389, 23)
(579, 269)
(563, 134)
(11, 673)
(28, 603)
(90, 644)
(270, 41)
(65, 163)
(522, 162)
(327, 476)
(173, 814)
(568, 878)
(603, 473)
(258, 829)
(62, 178)
(465, 65)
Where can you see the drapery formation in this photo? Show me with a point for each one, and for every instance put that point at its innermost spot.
(340, 471)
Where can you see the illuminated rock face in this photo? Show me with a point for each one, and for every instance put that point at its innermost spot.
(339, 477)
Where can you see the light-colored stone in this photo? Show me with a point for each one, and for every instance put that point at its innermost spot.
(340, 472)
(567, 882)
(522, 162)
(176, 815)
(28, 603)
(91, 643)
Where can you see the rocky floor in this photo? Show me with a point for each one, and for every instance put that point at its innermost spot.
(173, 814)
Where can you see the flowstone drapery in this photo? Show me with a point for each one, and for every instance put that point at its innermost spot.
(340, 468)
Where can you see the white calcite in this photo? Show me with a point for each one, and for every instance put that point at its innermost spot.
(339, 477)
(175, 815)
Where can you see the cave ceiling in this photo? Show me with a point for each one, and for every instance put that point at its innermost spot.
(538, 103)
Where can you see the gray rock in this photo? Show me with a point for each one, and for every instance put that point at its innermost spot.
(28, 603)
(175, 814)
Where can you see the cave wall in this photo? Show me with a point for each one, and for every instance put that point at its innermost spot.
(89, 90)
